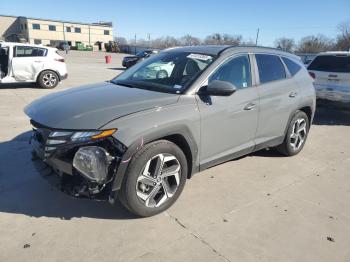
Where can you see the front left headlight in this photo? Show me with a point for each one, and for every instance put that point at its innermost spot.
(61, 137)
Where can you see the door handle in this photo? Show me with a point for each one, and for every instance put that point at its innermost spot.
(38, 61)
(250, 106)
(293, 94)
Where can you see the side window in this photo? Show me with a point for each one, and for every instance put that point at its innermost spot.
(270, 68)
(28, 51)
(293, 67)
(235, 71)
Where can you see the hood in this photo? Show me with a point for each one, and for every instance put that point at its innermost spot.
(92, 106)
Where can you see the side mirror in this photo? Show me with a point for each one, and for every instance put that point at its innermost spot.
(217, 88)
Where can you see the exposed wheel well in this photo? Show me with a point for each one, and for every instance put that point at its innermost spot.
(307, 110)
(48, 70)
(181, 142)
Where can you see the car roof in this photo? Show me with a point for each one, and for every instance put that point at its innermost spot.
(342, 53)
(24, 44)
(223, 49)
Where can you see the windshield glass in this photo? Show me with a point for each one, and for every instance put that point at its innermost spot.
(166, 72)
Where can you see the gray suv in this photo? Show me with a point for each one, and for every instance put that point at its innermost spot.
(140, 136)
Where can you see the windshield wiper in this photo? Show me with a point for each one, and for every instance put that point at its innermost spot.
(123, 84)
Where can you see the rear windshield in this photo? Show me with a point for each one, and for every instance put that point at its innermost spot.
(331, 63)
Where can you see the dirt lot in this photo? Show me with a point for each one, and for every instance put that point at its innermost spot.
(262, 207)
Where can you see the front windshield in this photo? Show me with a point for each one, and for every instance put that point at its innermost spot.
(170, 72)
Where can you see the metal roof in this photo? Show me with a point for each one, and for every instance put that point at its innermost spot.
(104, 24)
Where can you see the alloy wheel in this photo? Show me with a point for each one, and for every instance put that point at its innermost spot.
(49, 79)
(159, 180)
(298, 135)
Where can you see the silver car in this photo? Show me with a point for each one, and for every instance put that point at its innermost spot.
(139, 137)
(331, 71)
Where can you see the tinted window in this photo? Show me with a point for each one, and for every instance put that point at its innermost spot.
(28, 51)
(270, 68)
(77, 30)
(170, 72)
(52, 27)
(331, 63)
(291, 65)
(36, 26)
(236, 71)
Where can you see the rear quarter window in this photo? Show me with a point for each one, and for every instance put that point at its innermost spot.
(270, 68)
(292, 66)
(331, 63)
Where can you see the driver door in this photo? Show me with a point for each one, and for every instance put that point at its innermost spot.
(229, 123)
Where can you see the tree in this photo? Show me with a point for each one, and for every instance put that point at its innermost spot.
(189, 40)
(343, 39)
(225, 39)
(121, 40)
(284, 43)
(315, 44)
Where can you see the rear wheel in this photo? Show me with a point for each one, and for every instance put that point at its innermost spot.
(296, 135)
(48, 79)
(155, 178)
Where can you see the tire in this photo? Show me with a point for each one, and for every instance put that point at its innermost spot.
(290, 145)
(48, 79)
(142, 193)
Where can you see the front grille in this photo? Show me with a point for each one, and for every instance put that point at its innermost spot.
(48, 144)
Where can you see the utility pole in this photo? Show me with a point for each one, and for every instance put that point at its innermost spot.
(257, 37)
(135, 42)
(149, 40)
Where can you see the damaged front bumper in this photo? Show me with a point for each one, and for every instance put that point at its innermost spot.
(78, 168)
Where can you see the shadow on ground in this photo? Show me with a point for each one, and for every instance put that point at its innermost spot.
(19, 86)
(24, 191)
(329, 114)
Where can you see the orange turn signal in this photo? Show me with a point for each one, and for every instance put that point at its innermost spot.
(104, 133)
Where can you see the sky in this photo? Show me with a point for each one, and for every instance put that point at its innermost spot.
(279, 18)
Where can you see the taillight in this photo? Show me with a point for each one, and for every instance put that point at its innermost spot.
(312, 74)
(59, 60)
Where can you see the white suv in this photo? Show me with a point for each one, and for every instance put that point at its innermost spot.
(331, 71)
(31, 63)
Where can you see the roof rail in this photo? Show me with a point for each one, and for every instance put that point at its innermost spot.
(252, 46)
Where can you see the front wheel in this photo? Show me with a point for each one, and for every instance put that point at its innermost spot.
(48, 79)
(296, 135)
(155, 178)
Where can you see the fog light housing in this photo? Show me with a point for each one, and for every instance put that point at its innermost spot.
(93, 163)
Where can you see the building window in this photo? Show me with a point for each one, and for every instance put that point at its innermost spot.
(25, 26)
(106, 32)
(77, 30)
(52, 27)
(37, 41)
(36, 26)
(53, 43)
(68, 29)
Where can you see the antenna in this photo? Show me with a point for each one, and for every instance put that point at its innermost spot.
(257, 37)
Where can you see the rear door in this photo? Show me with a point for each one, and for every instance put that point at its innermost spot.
(27, 62)
(332, 76)
(279, 97)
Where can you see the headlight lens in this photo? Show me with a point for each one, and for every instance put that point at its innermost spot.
(93, 163)
(60, 137)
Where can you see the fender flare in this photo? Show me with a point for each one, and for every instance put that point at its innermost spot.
(139, 143)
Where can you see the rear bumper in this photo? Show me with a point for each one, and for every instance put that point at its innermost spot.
(333, 93)
(64, 77)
